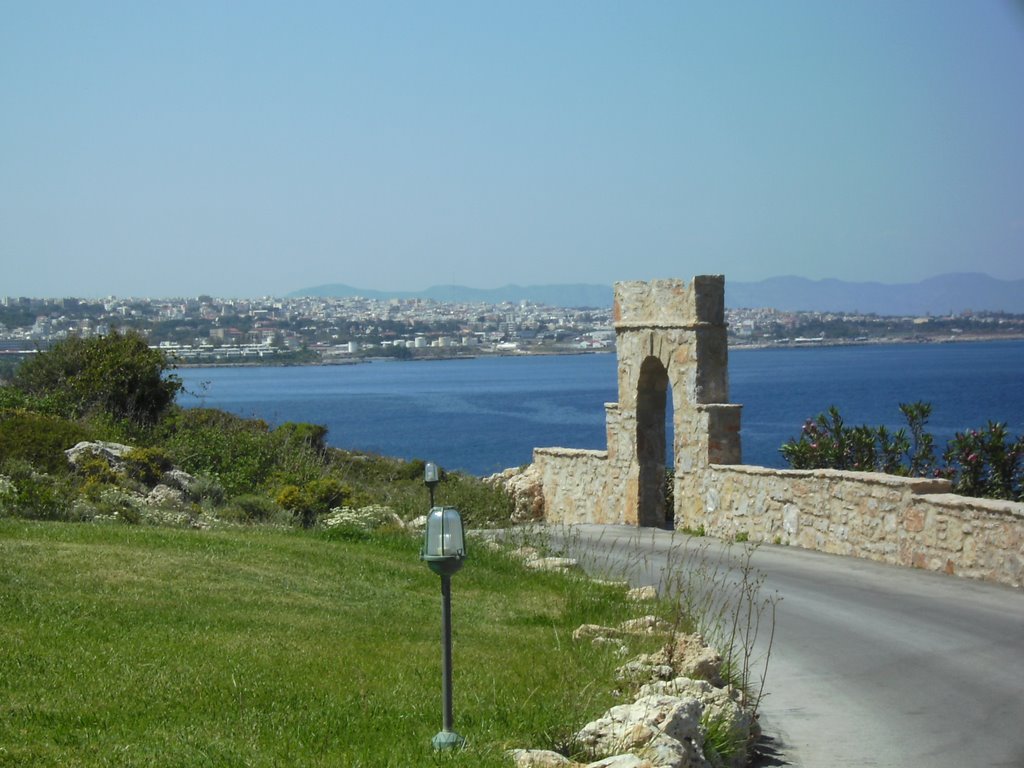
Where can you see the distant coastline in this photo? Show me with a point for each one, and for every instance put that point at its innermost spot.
(818, 343)
(733, 345)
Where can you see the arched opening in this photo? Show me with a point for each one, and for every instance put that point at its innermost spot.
(651, 419)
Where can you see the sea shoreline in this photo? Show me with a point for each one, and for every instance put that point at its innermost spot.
(787, 345)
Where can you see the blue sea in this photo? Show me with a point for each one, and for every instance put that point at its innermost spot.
(484, 414)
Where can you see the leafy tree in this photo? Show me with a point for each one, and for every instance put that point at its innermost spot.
(117, 374)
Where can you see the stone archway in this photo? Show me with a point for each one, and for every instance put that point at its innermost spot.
(670, 342)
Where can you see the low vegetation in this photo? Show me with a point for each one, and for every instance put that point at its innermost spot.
(116, 389)
(985, 462)
(245, 615)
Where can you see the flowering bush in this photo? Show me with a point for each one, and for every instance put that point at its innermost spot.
(987, 463)
(827, 443)
(368, 518)
(358, 524)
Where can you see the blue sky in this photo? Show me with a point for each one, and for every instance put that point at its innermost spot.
(254, 148)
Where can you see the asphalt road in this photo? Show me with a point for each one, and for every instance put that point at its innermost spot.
(871, 665)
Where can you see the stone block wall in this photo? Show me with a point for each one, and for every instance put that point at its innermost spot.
(573, 483)
(911, 522)
(671, 342)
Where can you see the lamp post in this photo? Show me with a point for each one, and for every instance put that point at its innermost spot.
(444, 549)
(431, 478)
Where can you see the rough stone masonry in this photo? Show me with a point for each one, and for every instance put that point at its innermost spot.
(671, 342)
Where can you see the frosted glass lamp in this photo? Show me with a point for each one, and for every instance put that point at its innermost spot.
(444, 544)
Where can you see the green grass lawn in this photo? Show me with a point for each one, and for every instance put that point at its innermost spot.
(134, 645)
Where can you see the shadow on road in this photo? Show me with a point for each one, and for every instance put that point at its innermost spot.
(767, 753)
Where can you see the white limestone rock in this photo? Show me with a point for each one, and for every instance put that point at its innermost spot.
(165, 496)
(692, 657)
(641, 594)
(645, 668)
(645, 625)
(539, 758)
(524, 486)
(664, 730)
(719, 704)
(112, 453)
(178, 478)
(552, 564)
(687, 656)
(622, 761)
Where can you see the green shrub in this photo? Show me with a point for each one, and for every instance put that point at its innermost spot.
(147, 465)
(251, 508)
(293, 434)
(95, 471)
(239, 453)
(314, 499)
(115, 503)
(11, 398)
(827, 443)
(33, 495)
(481, 505)
(39, 439)
(117, 374)
(204, 488)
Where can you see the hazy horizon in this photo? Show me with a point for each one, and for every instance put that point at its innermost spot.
(398, 293)
(259, 149)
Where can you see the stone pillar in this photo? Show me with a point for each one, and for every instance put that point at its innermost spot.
(670, 337)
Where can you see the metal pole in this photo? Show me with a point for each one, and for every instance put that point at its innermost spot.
(446, 651)
(447, 738)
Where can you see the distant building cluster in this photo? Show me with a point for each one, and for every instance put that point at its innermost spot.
(208, 330)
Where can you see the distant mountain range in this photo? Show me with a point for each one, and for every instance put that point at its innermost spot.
(942, 295)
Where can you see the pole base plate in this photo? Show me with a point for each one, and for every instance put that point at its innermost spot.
(448, 740)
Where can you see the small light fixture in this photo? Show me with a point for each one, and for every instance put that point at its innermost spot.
(431, 477)
(444, 549)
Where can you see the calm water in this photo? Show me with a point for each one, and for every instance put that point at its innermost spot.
(485, 414)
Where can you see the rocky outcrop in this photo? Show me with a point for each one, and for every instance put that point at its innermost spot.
(112, 453)
(686, 656)
(676, 719)
(663, 730)
(535, 560)
(523, 485)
